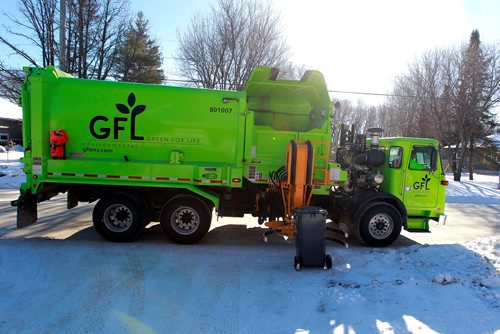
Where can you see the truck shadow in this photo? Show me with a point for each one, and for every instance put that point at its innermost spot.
(230, 235)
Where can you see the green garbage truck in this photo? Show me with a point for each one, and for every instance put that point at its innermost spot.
(178, 155)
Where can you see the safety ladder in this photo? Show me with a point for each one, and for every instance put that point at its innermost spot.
(321, 164)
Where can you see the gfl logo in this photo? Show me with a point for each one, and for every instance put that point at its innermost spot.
(101, 127)
(422, 185)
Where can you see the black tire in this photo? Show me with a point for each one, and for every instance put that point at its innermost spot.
(185, 219)
(297, 263)
(119, 217)
(379, 224)
(328, 262)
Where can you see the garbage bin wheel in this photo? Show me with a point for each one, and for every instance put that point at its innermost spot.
(328, 262)
(297, 263)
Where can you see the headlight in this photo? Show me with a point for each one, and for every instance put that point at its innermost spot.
(378, 178)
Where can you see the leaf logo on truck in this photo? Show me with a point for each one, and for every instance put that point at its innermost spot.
(101, 127)
(422, 185)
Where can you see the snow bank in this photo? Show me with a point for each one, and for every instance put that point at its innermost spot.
(447, 288)
(489, 248)
(482, 190)
(11, 170)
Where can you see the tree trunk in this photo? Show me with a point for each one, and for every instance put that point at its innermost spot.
(454, 166)
(471, 160)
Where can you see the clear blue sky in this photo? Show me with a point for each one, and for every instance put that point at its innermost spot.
(359, 45)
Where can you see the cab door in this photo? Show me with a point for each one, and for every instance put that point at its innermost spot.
(422, 180)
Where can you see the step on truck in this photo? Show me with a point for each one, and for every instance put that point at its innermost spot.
(178, 155)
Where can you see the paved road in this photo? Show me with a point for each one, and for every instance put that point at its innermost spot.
(465, 222)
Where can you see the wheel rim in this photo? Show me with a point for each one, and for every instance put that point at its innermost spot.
(185, 220)
(381, 226)
(118, 218)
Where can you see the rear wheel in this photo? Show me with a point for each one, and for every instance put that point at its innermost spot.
(119, 217)
(379, 224)
(185, 219)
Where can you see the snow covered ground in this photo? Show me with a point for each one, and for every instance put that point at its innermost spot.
(11, 170)
(232, 282)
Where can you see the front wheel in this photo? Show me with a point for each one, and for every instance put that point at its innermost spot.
(185, 219)
(379, 224)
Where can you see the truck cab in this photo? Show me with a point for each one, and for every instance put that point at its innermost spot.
(413, 172)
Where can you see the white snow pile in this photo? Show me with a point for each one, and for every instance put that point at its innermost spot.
(482, 190)
(443, 288)
(489, 249)
(11, 169)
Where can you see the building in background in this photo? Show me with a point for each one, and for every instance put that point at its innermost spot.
(10, 123)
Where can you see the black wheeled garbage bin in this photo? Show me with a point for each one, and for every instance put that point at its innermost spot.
(310, 244)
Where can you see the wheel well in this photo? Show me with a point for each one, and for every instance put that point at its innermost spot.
(360, 201)
(153, 198)
(209, 205)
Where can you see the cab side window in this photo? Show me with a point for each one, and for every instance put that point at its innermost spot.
(421, 158)
(395, 156)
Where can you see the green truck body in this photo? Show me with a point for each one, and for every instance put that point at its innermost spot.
(173, 154)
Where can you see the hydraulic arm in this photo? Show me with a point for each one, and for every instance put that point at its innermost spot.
(296, 190)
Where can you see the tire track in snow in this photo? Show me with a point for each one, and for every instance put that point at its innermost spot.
(173, 286)
(95, 306)
(222, 310)
(137, 288)
(12, 320)
(85, 268)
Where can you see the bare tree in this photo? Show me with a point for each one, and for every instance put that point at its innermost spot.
(449, 95)
(93, 29)
(420, 98)
(360, 115)
(10, 82)
(221, 49)
(291, 71)
(36, 26)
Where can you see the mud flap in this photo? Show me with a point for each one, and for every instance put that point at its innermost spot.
(26, 210)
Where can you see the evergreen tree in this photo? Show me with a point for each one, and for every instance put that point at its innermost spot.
(139, 58)
(475, 100)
